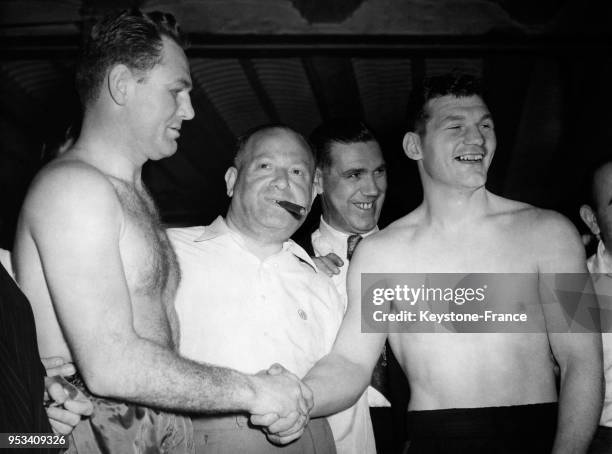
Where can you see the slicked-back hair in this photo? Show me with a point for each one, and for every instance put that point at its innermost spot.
(588, 184)
(243, 140)
(338, 130)
(129, 37)
(454, 84)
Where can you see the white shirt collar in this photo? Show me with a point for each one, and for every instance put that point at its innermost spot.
(219, 228)
(215, 229)
(333, 239)
(601, 261)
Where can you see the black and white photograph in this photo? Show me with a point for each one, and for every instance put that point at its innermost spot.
(306, 226)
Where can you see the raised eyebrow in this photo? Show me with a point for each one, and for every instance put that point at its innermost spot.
(450, 118)
(185, 84)
(304, 164)
(353, 171)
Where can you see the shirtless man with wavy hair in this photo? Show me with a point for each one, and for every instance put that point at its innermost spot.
(97, 266)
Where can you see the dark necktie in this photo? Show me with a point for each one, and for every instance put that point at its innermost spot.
(351, 243)
(379, 375)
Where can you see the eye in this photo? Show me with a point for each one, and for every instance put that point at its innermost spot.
(298, 172)
(487, 125)
(263, 165)
(353, 176)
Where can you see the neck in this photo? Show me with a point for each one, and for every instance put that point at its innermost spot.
(104, 146)
(451, 208)
(330, 223)
(261, 244)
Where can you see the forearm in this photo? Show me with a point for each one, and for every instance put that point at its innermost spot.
(336, 384)
(580, 403)
(147, 373)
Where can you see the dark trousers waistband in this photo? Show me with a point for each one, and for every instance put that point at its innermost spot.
(483, 422)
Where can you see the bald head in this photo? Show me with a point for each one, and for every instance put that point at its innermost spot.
(249, 141)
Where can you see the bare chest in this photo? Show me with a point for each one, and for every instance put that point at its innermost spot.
(150, 265)
(493, 252)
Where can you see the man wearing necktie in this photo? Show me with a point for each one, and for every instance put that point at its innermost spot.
(352, 181)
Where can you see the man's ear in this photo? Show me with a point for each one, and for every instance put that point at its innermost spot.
(588, 217)
(230, 180)
(318, 183)
(119, 79)
(412, 146)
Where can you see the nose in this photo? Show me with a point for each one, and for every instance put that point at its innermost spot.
(370, 186)
(473, 136)
(185, 110)
(280, 179)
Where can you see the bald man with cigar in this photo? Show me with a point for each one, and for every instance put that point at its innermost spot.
(250, 297)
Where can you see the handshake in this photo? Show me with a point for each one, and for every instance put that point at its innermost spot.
(282, 404)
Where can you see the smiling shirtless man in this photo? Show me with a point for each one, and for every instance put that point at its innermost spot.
(476, 393)
(98, 268)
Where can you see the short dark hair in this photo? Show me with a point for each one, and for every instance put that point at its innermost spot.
(129, 37)
(454, 84)
(243, 139)
(337, 130)
(588, 184)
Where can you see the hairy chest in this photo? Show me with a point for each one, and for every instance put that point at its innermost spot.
(150, 263)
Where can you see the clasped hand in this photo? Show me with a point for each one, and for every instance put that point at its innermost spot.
(283, 405)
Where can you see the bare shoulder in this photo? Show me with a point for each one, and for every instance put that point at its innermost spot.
(403, 229)
(388, 236)
(394, 240)
(69, 190)
(553, 225)
(549, 236)
(68, 175)
(533, 221)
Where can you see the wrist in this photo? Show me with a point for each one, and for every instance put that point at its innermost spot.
(249, 393)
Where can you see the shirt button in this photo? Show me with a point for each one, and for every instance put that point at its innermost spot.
(302, 314)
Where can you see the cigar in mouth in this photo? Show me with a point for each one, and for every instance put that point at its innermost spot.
(297, 211)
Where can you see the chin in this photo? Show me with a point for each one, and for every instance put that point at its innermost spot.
(363, 226)
(280, 222)
(171, 151)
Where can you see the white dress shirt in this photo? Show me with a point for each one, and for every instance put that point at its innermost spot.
(238, 311)
(327, 239)
(601, 263)
(352, 428)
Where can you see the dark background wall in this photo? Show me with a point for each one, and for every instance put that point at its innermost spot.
(546, 66)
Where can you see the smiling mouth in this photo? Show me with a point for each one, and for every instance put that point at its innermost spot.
(470, 158)
(364, 205)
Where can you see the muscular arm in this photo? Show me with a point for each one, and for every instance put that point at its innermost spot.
(339, 378)
(75, 220)
(579, 355)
